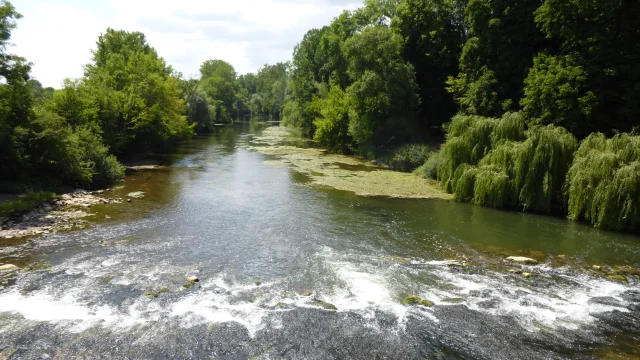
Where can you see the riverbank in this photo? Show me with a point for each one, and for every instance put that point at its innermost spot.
(341, 172)
(58, 213)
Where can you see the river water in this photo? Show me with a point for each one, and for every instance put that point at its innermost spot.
(273, 254)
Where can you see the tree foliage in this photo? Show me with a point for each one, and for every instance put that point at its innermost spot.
(603, 184)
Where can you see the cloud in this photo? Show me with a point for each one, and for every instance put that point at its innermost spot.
(58, 38)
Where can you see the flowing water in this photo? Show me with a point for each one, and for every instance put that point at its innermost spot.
(273, 254)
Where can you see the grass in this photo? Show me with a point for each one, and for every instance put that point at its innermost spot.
(26, 204)
(346, 173)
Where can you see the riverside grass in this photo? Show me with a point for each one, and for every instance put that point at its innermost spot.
(344, 172)
(603, 184)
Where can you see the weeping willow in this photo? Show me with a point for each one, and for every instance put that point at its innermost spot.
(510, 127)
(603, 184)
(541, 166)
(468, 141)
(471, 138)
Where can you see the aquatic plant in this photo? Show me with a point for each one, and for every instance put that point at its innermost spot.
(603, 184)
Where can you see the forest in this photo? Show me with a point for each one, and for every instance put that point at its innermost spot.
(530, 105)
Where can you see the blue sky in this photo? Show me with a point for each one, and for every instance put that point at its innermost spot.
(57, 36)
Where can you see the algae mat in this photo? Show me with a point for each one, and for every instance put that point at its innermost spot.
(342, 172)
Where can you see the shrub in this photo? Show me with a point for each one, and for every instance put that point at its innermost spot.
(430, 168)
(408, 157)
(30, 201)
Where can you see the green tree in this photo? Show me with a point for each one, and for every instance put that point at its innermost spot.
(434, 33)
(137, 95)
(218, 80)
(594, 67)
(495, 59)
(383, 98)
(332, 126)
(15, 99)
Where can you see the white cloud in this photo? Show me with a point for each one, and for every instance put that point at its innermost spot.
(58, 37)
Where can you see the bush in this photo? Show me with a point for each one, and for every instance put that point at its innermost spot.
(430, 168)
(72, 156)
(408, 157)
(30, 201)
(603, 184)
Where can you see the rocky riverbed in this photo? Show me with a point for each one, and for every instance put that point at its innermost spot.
(63, 213)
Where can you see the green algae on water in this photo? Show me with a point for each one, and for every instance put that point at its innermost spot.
(345, 173)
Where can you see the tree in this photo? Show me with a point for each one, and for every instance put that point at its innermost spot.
(594, 67)
(495, 59)
(383, 97)
(218, 80)
(433, 33)
(136, 94)
(15, 99)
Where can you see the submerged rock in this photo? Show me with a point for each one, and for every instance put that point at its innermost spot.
(426, 303)
(618, 278)
(415, 300)
(325, 305)
(526, 275)
(306, 293)
(8, 267)
(193, 279)
(522, 260)
(136, 195)
(151, 293)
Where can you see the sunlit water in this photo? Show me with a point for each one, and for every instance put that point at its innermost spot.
(258, 236)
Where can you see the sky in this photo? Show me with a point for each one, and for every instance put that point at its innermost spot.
(57, 36)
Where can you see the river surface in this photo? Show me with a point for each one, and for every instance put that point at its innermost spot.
(261, 238)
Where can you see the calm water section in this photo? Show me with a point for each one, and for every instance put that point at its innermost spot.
(275, 254)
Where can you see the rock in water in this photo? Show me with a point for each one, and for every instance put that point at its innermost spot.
(522, 260)
(415, 300)
(192, 279)
(618, 278)
(136, 195)
(8, 267)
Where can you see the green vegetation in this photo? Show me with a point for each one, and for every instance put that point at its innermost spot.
(128, 101)
(25, 204)
(416, 300)
(516, 87)
(513, 88)
(603, 184)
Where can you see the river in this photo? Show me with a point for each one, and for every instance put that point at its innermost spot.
(275, 254)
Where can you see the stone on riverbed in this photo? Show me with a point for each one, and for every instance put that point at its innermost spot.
(415, 300)
(522, 260)
(306, 293)
(136, 194)
(618, 278)
(325, 305)
(193, 279)
(8, 267)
